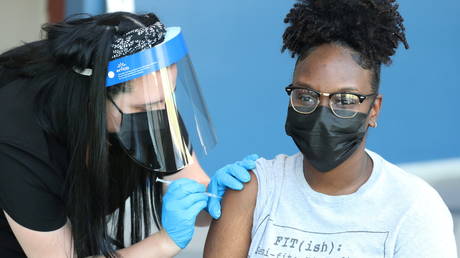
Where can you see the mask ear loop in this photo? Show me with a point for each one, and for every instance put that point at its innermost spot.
(117, 107)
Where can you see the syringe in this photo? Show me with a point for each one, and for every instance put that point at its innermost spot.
(169, 182)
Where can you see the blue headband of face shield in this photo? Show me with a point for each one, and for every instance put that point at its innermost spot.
(169, 52)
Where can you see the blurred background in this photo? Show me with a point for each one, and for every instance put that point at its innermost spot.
(235, 46)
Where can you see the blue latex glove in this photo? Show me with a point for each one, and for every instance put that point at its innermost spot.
(229, 176)
(182, 202)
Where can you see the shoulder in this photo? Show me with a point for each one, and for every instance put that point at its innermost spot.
(421, 197)
(19, 124)
(275, 168)
(266, 171)
(230, 235)
(242, 200)
(269, 176)
(278, 160)
(425, 219)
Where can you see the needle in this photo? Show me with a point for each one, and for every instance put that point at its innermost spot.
(169, 182)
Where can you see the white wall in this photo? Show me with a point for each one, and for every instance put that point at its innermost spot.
(20, 20)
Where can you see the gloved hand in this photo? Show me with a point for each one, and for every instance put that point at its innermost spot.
(182, 202)
(229, 176)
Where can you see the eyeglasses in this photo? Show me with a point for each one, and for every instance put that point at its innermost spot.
(342, 104)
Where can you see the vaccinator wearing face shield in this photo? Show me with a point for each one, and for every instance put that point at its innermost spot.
(103, 110)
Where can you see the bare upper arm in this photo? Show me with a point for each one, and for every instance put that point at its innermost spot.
(58, 243)
(230, 236)
(52, 244)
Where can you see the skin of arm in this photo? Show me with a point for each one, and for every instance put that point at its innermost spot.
(230, 236)
(58, 243)
(193, 171)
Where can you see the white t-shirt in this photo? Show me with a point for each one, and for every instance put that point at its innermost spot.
(393, 215)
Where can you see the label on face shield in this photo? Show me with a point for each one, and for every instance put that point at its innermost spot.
(149, 60)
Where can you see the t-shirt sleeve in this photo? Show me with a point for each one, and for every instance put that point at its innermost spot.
(427, 230)
(30, 190)
(269, 174)
(264, 185)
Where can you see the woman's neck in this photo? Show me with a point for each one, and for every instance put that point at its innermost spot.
(347, 178)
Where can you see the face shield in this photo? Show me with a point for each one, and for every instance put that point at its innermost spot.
(158, 110)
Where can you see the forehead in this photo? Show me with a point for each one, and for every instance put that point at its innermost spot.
(330, 68)
(150, 87)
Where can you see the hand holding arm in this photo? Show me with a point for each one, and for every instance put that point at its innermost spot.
(231, 176)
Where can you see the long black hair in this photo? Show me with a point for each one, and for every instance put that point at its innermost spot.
(72, 108)
(372, 28)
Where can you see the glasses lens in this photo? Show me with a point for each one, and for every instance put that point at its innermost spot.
(304, 101)
(345, 105)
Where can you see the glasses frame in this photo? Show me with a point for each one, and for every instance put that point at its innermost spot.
(292, 87)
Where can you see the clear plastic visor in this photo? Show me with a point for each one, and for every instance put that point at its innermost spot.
(160, 118)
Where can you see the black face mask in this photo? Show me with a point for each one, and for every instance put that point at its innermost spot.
(325, 140)
(135, 138)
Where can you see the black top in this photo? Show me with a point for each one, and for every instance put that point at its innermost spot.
(33, 167)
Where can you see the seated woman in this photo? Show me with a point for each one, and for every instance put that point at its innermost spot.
(335, 198)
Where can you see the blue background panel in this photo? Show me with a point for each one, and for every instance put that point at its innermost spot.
(235, 46)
